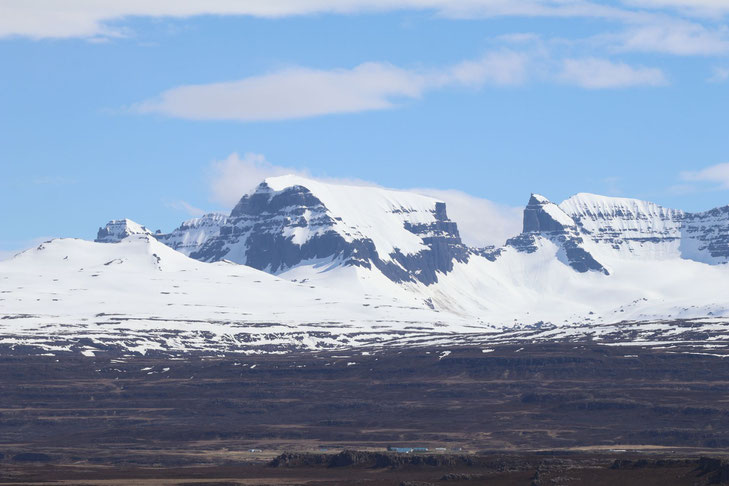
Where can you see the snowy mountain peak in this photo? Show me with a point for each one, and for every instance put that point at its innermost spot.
(289, 221)
(292, 222)
(118, 229)
(592, 206)
(538, 199)
(542, 215)
(545, 221)
(631, 228)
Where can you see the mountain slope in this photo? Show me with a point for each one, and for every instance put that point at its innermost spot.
(118, 229)
(631, 228)
(141, 294)
(299, 263)
(289, 220)
(545, 220)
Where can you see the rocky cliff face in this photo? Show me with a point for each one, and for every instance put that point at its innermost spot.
(544, 220)
(705, 236)
(118, 229)
(194, 233)
(633, 228)
(630, 227)
(288, 221)
(587, 225)
(291, 221)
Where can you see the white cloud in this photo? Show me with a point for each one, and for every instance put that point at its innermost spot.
(593, 73)
(291, 93)
(303, 92)
(673, 37)
(500, 68)
(720, 75)
(186, 207)
(717, 174)
(481, 222)
(698, 7)
(93, 18)
(300, 92)
(233, 177)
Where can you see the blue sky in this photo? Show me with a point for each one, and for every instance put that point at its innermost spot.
(158, 112)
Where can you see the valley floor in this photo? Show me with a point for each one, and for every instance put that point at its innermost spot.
(192, 419)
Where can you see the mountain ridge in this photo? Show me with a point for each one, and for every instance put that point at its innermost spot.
(294, 267)
(290, 220)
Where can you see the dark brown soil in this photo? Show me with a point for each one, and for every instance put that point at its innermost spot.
(568, 411)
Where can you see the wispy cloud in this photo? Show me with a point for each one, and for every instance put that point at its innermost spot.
(716, 175)
(593, 73)
(481, 222)
(712, 8)
(95, 19)
(186, 207)
(671, 36)
(292, 93)
(91, 19)
(301, 92)
(235, 176)
(719, 75)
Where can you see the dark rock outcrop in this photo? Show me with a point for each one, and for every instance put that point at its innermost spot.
(544, 219)
(118, 229)
(262, 230)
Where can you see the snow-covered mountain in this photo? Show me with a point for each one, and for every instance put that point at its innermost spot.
(118, 229)
(299, 262)
(289, 221)
(641, 229)
(545, 220)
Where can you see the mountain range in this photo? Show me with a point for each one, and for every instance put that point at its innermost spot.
(302, 263)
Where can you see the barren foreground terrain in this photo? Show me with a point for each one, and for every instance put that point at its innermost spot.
(534, 414)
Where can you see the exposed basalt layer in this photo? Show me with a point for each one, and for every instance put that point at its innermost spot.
(277, 230)
(118, 229)
(543, 219)
(635, 228)
(708, 233)
(194, 233)
(289, 223)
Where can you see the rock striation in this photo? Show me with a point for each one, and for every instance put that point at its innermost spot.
(291, 221)
(118, 229)
(287, 221)
(545, 221)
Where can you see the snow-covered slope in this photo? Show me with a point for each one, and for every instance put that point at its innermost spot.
(118, 229)
(141, 294)
(194, 233)
(290, 221)
(630, 228)
(545, 221)
(324, 265)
